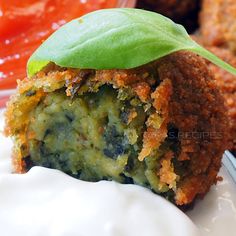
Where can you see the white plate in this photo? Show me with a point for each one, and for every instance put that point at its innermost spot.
(215, 215)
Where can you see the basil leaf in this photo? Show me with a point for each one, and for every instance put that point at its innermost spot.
(119, 38)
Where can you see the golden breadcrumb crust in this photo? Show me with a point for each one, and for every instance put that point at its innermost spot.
(226, 82)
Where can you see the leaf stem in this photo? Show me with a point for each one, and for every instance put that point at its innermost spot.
(213, 58)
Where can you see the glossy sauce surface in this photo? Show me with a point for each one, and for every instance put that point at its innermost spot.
(62, 205)
(25, 24)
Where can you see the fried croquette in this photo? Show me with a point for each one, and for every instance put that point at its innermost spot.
(218, 23)
(161, 125)
(184, 12)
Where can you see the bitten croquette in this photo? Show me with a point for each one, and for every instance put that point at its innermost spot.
(162, 125)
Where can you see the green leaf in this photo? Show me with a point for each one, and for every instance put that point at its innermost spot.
(119, 38)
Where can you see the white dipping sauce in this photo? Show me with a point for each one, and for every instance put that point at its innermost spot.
(47, 202)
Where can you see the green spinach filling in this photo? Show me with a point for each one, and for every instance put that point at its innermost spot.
(92, 138)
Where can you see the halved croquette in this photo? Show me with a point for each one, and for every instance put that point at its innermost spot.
(161, 125)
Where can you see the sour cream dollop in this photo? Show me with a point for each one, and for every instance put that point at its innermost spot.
(50, 203)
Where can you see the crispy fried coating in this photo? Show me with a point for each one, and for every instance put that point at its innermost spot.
(218, 23)
(197, 110)
(183, 12)
(181, 91)
(227, 84)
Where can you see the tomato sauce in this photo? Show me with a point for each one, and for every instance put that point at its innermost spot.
(25, 24)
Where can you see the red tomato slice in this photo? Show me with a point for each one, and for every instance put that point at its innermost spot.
(25, 24)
